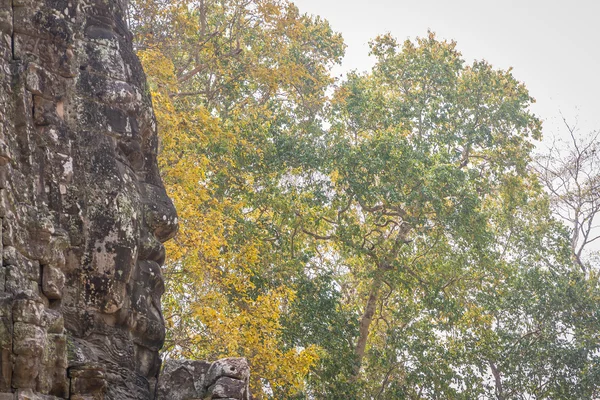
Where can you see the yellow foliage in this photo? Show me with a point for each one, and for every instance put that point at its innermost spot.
(220, 74)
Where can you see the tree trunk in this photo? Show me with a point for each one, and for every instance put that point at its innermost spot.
(497, 381)
(367, 318)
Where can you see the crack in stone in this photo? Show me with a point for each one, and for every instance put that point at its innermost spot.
(12, 33)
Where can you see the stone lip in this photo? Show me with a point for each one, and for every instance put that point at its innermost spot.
(189, 380)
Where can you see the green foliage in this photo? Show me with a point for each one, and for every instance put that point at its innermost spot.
(319, 317)
(436, 220)
(389, 241)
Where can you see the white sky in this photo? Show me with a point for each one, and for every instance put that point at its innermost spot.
(553, 46)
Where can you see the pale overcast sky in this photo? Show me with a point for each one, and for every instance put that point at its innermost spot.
(553, 46)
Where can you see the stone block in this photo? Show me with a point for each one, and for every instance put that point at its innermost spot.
(182, 379)
(60, 382)
(28, 311)
(236, 368)
(11, 257)
(26, 370)
(226, 387)
(53, 321)
(6, 337)
(6, 301)
(43, 83)
(6, 367)
(45, 112)
(28, 340)
(6, 26)
(87, 380)
(53, 282)
(56, 351)
(17, 281)
(53, 381)
(4, 203)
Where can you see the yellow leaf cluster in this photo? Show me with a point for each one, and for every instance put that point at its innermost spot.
(220, 74)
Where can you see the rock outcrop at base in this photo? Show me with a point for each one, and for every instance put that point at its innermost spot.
(224, 379)
(84, 213)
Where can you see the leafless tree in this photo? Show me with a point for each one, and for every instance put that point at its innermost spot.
(570, 170)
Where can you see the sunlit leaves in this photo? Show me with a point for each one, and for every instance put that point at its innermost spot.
(231, 82)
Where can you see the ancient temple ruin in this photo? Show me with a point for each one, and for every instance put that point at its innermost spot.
(84, 214)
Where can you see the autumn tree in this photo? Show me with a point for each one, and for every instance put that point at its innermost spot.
(232, 82)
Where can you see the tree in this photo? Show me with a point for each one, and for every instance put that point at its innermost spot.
(425, 146)
(570, 172)
(421, 156)
(239, 80)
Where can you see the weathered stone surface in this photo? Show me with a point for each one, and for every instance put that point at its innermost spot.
(28, 311)
(83, 214)
(226, 388)
(6, 334)
(28, 339)
(236, 368)
(189, 380)
(88, 381)
(53, 282)
(182, 379)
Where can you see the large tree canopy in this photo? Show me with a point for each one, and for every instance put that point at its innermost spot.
(231, 82)
(379, 237)
(426, 163)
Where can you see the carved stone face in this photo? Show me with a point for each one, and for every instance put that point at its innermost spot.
(127, 215)
(84, 212)
(83, 215)
(127, 212)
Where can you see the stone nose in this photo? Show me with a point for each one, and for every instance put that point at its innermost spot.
(160, 214)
